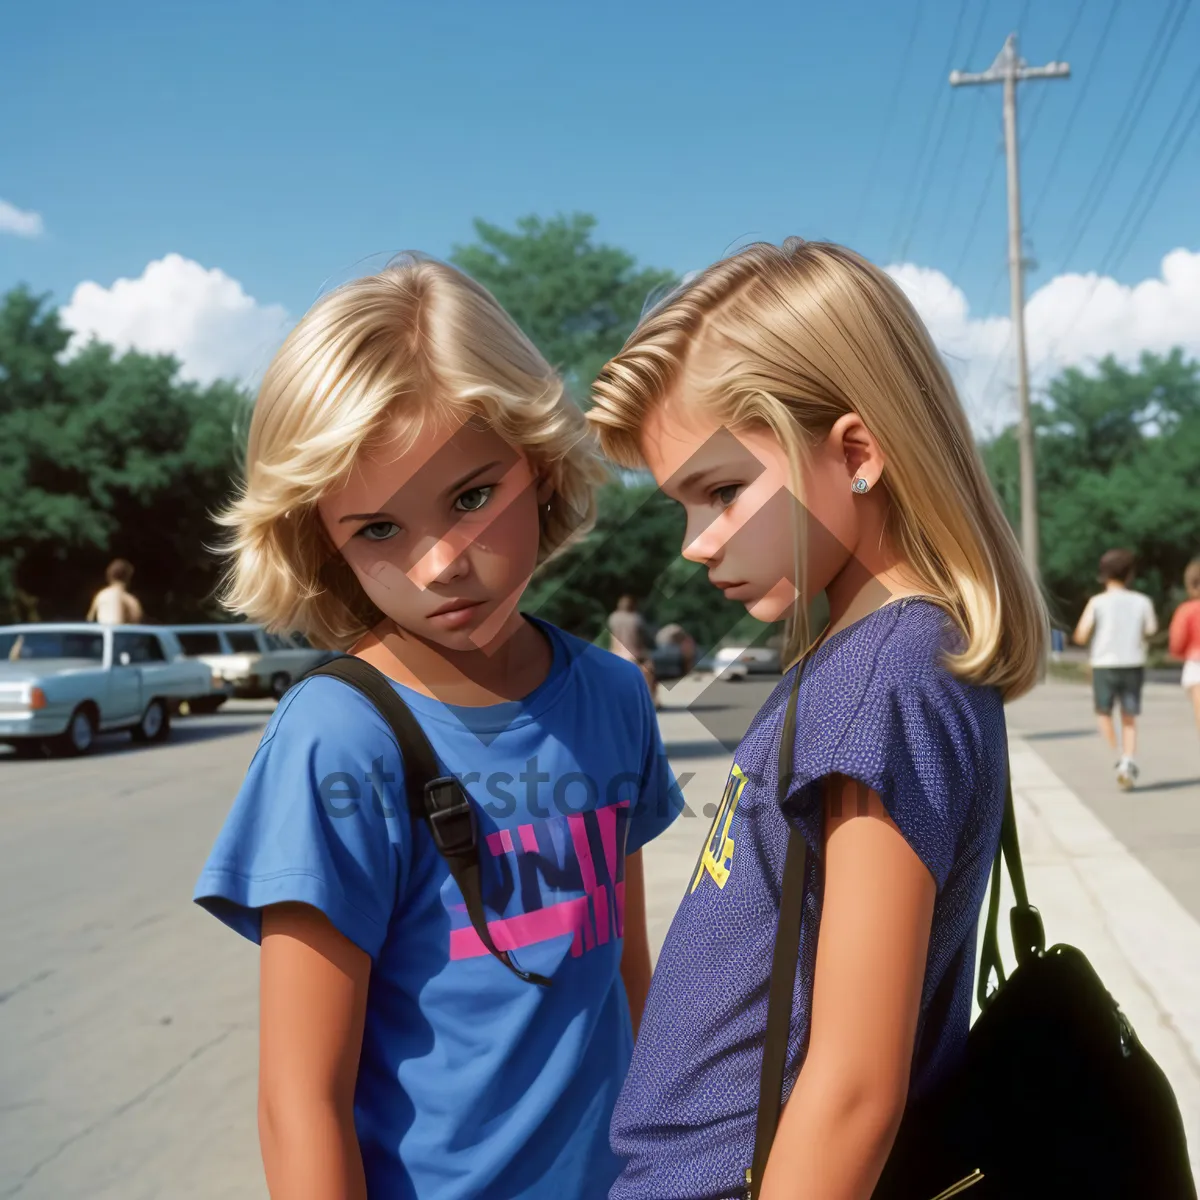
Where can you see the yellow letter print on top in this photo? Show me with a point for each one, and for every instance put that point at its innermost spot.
(717, 858)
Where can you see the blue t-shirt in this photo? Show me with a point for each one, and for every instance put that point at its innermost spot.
(876, 704)
(471, 1082)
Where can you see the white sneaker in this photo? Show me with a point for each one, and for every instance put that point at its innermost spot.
(1127, 774)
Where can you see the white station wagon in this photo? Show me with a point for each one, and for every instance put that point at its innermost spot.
(61, 685)
(252, 662)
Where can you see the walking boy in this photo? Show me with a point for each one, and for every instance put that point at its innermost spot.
(1118, 622)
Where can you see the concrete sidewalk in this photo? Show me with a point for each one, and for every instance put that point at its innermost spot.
(1091, 891)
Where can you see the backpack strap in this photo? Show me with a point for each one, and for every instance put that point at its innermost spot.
(1025, 922)
(435, 799)
(783, 963)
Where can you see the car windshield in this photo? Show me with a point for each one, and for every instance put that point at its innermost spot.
(33, 644)
(200, 643)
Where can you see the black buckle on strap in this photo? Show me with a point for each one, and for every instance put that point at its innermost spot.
(451, 816)
(1029, 938)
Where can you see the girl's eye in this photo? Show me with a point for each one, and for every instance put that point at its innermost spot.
(474, 498)
(726, 495)
(379, 531)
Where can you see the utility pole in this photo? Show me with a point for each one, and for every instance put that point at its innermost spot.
(1010, 69)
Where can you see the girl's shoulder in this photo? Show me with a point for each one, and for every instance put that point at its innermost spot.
(593, 667)
(887, 680)
(324, 710)
(903, 644)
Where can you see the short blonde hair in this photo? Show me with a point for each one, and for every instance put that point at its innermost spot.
(419, 340)
(807, 333)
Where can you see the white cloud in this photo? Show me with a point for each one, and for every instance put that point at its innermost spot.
(1073, 320)
(176, 306)
(17, 221)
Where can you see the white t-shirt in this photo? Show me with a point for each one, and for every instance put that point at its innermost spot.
(1119, 621)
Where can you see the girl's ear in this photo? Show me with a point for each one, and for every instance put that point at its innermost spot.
(545, 489)
(858, 448)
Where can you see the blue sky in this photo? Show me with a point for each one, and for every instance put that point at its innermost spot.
(284, 144)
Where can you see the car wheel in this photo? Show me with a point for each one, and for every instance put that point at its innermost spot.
(80, 735)
(280, 682)
(155, 725)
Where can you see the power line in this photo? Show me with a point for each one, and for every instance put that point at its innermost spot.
(1149, 187)
(956, 176)
(1128, 228)
(900, 222)
(1146, 194)
(890, 118)
(984, 193)
(1035, 109)
(1144, 87)
(1057, 158)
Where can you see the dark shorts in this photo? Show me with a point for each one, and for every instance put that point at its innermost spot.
(1122, 684)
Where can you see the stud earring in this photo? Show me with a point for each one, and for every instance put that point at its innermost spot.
(860, 485)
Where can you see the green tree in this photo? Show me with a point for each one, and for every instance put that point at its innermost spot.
(575, 299)
(1118, 455)
(101, 456)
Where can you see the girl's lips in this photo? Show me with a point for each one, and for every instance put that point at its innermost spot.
(456, 618)
(737, 591)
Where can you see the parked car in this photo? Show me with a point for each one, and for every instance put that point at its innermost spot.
(61, 685)
(736, 662)
(251, 662)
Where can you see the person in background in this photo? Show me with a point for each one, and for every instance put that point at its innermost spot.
(675, 635)
(631, 640)
(1118, 622)
(116, 604)
(1183, 639)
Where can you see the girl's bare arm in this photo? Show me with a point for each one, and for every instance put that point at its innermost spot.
(635, 958)
(841, 1119)
(313, 1003)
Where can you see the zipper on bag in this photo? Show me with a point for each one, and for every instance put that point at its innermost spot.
(956, 1189)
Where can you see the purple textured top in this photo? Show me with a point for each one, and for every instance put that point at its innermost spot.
(876, 704)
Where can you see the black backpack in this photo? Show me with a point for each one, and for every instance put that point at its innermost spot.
(1056, 1097)
(435, 800)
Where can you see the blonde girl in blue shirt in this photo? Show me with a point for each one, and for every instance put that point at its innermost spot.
(411, 460)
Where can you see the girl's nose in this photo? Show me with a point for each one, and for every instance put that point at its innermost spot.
(702, 544)
(446, 560)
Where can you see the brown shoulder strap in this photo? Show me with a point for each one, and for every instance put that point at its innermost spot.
(783, 963)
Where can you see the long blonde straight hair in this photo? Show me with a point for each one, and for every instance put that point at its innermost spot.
(805, 333)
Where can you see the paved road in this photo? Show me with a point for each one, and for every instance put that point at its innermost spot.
(1160, 821)
(127, 1016)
